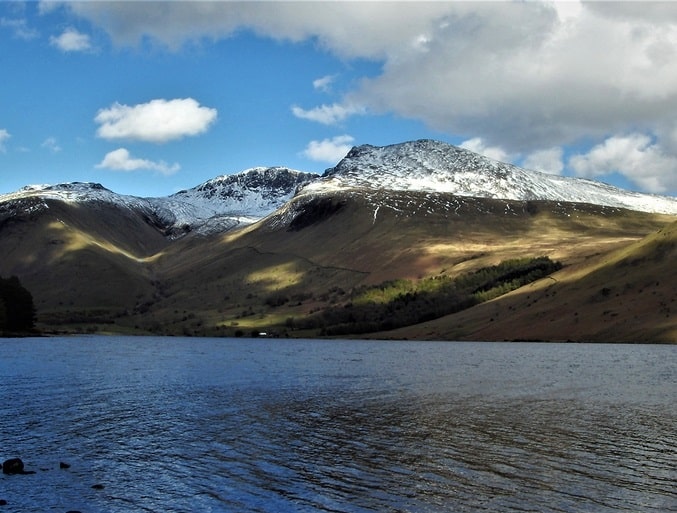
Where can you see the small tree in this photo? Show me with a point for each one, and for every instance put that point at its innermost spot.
(3, 315)
(19, 311)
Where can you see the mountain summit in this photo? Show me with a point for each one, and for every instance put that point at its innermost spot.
(433, 166)
(227, 201)
(217, 205)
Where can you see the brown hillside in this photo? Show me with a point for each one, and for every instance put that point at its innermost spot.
(237, 280)
(626, 295)
(98, 269)
(81, 261)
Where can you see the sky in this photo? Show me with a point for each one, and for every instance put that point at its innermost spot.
(149, 98)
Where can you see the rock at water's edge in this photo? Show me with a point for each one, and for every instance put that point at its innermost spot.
(13, 466)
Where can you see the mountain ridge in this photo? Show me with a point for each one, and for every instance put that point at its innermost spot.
(229, 201)
(274, 250)
(219, 204)
(428, 165)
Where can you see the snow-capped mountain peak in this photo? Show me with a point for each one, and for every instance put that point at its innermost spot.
(229, 200)
(272, 182)
(34, 197)
(71, 191)
(218, 204)
(433, 166)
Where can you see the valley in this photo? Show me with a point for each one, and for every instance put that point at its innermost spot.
(102, 266)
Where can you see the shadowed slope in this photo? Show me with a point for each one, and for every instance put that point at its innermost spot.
(281, 269)
(78, 258)
(98, 266)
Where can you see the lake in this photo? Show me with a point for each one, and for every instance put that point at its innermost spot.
(265, 425)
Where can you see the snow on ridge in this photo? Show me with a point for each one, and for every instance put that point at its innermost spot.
(227, 201)
(75, 192)
(70, 191)
(433, 166)
(230, 200)
(216, 205)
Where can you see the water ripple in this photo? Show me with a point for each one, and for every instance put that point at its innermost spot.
(185, 425)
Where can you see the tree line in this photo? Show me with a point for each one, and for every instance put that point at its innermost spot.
(17, 312)
(397, 303)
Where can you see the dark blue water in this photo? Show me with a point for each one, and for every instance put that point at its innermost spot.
(198, 425)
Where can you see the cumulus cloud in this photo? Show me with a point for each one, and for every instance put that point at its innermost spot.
(51, 144)
(71, 41)
(121, 160)
(546, 161)
(157, 121)
(635, 156)
(521, 76)
(4, 135)
(324, 83)
(374, 27)
(327, 114)
(329, 150)
(477, 145)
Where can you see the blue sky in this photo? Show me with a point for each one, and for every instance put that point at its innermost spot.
(148, 98)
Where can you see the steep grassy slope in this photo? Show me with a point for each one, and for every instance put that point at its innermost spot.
(81, 262)
(310, 255)
(626, 295)
(96, 268)
(419, 234)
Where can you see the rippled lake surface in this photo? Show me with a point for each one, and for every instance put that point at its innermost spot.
(199, 425)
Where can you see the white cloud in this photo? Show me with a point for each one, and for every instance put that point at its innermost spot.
(636, 156)
(348, 29)
(327, 114)
(4, 135)
(157, 121)
(20, 28)
(51, 144)
(567, 9)
(546, 161)
(329, 150)
(524, 75)
(71, 41)
(121, 160)
(477, 145)
(521, 76)
(324, 83)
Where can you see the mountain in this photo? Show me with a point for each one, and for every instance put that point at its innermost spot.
(228, 201)
(278, 250)
(217, 205)
(427, 165)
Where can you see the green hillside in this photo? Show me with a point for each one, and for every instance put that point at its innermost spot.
(99, 269)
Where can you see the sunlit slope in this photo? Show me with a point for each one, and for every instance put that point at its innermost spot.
(626, 295)
(313, 252)
(78, 258)
(420, 235)
(95, 266)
